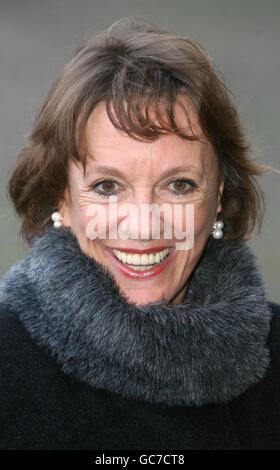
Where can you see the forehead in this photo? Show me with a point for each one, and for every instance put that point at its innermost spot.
(106, 144)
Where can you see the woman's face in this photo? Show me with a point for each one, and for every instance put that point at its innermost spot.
(170, 171)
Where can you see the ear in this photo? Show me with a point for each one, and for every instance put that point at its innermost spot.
(65, 208)
(219, 196)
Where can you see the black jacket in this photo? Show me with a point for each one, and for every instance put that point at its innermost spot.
(81, 368)
(43, 408)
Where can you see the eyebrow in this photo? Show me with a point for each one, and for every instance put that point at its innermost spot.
(109, 170)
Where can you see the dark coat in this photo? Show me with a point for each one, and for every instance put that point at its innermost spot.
(43, 408)
(82, 368)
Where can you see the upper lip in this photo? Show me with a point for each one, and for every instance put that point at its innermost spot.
(136, 250)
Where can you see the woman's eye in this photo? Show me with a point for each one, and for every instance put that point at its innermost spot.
(111, 187)
(106, 187)
(180, 186)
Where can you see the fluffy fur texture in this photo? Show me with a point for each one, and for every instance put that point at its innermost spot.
(209, 349)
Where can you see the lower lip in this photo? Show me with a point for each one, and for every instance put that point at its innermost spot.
(139, 274)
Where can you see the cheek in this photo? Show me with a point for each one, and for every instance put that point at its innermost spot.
(203, 218)
(96, 220)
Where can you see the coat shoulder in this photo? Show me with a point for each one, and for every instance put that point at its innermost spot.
(275, 327)
(274, 339)
(274, 345)
(256, 413)
(14, 339)
(22, 361)
(12, 334)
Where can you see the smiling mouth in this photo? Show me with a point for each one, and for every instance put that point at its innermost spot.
(138, 264)
(141, 262)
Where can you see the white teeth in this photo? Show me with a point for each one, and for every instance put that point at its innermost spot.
(157, 258)
(136, 260)
(151, 258)
(144, 260)
(141, 262)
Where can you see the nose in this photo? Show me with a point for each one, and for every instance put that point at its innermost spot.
(140, 219)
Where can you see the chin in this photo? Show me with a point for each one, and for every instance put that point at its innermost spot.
(143, 297)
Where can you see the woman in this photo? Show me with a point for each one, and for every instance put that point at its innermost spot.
(116, 334)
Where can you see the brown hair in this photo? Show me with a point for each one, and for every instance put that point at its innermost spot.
(134, 63)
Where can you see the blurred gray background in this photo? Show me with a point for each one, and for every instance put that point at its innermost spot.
(242, 37)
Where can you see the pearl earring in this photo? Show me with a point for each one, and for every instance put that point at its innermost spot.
(57, 218)
(217, 229)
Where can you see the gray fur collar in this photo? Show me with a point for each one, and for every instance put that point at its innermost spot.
(209, 349)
